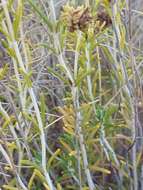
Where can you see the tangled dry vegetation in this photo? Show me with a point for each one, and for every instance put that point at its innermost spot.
(71, 105)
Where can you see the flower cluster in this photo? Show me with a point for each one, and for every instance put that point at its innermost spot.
(76, 18)
(80, 18)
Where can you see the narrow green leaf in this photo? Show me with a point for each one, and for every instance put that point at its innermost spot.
(43, 108)
(18, 17)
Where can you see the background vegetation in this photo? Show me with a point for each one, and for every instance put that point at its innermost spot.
(71, 106)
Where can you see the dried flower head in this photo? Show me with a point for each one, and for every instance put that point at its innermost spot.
(104, 18)
(76, 18)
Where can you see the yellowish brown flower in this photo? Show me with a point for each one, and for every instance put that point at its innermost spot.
(76, 18)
